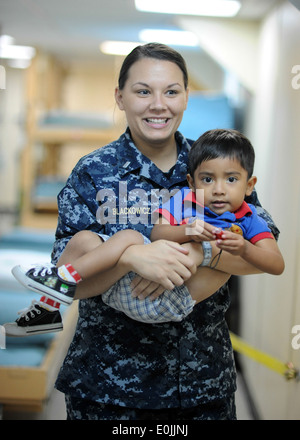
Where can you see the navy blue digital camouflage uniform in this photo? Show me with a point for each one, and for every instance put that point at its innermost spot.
(112, 359)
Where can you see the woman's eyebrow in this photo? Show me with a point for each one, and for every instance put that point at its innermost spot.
(140, 83)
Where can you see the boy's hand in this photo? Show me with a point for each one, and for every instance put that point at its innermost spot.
(230, 242)
(198, 230)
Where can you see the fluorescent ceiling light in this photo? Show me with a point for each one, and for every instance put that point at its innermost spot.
(6, 39)
(177, 38)
(213, 8)
(12, 52)
(118, 47)
(17, 52)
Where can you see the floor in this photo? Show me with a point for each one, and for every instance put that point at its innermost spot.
(55, 408)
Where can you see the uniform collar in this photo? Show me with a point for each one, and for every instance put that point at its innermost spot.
(131, 159)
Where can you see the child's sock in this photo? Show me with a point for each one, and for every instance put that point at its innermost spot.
(49, 304)
(68, 273)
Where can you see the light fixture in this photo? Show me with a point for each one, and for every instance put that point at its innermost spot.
(176, 38)
(118, 47)
(17, 52)
(10, 51)
(213, 8)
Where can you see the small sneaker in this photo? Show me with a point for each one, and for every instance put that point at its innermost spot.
(45, 280)
(34, 320)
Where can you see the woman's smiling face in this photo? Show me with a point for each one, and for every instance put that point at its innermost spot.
(154, 99)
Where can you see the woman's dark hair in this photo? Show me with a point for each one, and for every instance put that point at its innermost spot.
(222, 143)
(157, 51)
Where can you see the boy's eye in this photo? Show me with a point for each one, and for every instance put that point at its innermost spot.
(232, 179)
(207, 179)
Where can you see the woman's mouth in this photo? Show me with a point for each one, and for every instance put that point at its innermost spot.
(157, 121)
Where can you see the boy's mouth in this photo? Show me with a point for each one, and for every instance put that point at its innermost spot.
(219, 204)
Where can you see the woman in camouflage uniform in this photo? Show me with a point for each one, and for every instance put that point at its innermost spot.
(117, 368)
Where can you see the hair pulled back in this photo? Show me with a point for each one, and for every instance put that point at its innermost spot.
(157, 51)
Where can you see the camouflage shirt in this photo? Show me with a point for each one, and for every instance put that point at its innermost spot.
(113, 359)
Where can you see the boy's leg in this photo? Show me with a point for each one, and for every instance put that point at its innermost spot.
(43, 316)
(100, 256)
(45, 279)
(205, 282)
(86, 256)
(34, 320)
(80, 243)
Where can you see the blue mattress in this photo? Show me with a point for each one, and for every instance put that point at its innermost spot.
(21, 356)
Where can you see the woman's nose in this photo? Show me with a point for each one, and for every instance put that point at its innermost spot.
(157, 102)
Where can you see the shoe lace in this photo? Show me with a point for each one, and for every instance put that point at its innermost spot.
(24, 313)
(42, 269)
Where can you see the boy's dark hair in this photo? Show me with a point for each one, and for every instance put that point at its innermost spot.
(152, 50)
(222, 143)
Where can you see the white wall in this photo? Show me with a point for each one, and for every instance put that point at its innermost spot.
(262, 57)
(271, 305)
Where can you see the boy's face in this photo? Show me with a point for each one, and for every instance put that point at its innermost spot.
(225, 183)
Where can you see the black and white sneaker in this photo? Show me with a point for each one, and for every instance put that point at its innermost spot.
(34, 320)
(45, 280)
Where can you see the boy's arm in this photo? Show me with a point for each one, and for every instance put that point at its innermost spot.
(264, 254)
(196, 231)
(163, 230)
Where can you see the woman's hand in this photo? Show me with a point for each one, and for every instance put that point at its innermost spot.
(163, 262)
(142, 288)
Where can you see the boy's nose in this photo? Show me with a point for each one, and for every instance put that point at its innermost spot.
(219, 188)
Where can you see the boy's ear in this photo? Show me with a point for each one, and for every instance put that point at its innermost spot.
(191, 182)
(250, 185)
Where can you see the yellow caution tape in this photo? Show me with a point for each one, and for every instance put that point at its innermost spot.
(287, 370)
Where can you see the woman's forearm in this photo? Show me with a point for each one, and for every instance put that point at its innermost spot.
(164, 262)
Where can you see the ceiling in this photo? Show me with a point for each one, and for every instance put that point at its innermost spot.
(75, 28)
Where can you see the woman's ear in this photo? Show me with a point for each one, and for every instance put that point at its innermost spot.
(119, 98)
(187, 97)
(250, 185)
(190, 182)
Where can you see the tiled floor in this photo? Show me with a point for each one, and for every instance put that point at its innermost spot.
(55, 408)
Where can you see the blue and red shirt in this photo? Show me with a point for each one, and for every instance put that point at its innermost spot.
(183, 205)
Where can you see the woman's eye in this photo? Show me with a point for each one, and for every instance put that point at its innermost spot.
(172, 92)
(143, 92)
